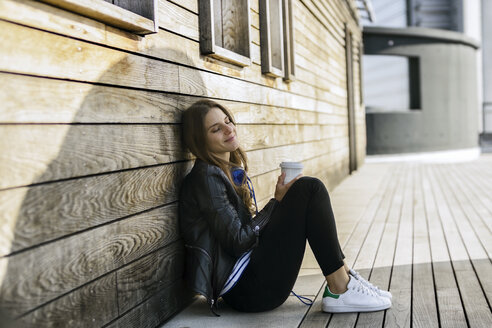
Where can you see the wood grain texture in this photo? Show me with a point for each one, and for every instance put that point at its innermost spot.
(476, 211)
(164, 45)
(475, 235)
(332, 176)
(27, 99)
(149, 275)
(483, 268)
(235, 26)
(50, 55)
(92, 305)
(40, 153)
(271, 38)
(424, 308)
(156, 309)
(144, 8)
(460, 216)
(352, 246)
(374, 234)
(451, 313)
(371, 248)
(178, 20)
(216, 22)
(380, 245)
(30, 100)
(191, 5)
(318, 33)
(477, 310)
(386, 251)
(30, 218)
(325, 20)
(107, 13)
(120, 68)
(41, 274)
(464, 242)
(314, 317)
(399, 315)
(448, 298)
(263, 161)
(211, 85)
(482, 190)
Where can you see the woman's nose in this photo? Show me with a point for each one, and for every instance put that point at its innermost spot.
(229, 129)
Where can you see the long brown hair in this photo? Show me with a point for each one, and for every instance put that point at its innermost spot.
(194, 137)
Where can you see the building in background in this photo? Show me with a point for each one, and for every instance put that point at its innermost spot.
(422, 76)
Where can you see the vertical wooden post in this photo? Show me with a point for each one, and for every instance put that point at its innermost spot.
(350, 100)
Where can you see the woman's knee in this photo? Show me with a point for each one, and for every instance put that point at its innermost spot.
(306, 185)
(311, 182)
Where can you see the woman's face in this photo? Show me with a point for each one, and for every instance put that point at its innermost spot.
(220, 133)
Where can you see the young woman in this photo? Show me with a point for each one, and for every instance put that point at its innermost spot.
(252, 258)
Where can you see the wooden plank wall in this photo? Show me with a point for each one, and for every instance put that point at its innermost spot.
(91, 158)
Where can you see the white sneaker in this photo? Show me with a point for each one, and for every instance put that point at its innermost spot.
(357, 298)
(378, 291)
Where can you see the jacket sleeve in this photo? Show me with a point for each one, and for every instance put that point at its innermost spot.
(223, 218)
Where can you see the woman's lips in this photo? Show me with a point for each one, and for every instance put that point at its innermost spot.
(230, 139)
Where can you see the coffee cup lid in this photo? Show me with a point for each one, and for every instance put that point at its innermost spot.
(291, 165)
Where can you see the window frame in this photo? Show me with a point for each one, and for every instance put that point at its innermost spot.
(207, 36)
(266, 38)
(289, 49)
(110, 14)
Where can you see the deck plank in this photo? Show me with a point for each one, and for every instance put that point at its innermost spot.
(449, 306)
(314, 317)
(353, 246)
(459, 233)
(380, 273)
(477, 178)
(477, 237)
(399, 315)
(477, 213)
(364, 260)
(424, 309)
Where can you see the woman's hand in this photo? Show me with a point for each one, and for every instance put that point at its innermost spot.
(281, 188)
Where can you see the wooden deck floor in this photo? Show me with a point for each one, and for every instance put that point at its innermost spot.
(421, 230)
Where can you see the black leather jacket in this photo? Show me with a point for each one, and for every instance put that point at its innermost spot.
(217, 228)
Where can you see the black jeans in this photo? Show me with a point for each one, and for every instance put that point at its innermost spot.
(304, 213)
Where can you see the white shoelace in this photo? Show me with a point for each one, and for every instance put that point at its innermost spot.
(362, 288)
(365, 282)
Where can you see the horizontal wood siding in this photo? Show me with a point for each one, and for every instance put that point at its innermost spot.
(91, 158)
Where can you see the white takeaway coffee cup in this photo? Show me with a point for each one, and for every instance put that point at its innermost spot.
(291, 169)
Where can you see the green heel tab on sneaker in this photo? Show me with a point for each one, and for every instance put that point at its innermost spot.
(327, 293)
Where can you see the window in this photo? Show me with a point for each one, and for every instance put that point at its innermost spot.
(277, 38)
(224, 30)
(139, 17)
(361, 89)
(391, 83)
(289, 63)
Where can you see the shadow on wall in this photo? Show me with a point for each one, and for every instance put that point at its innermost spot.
(94, 235)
